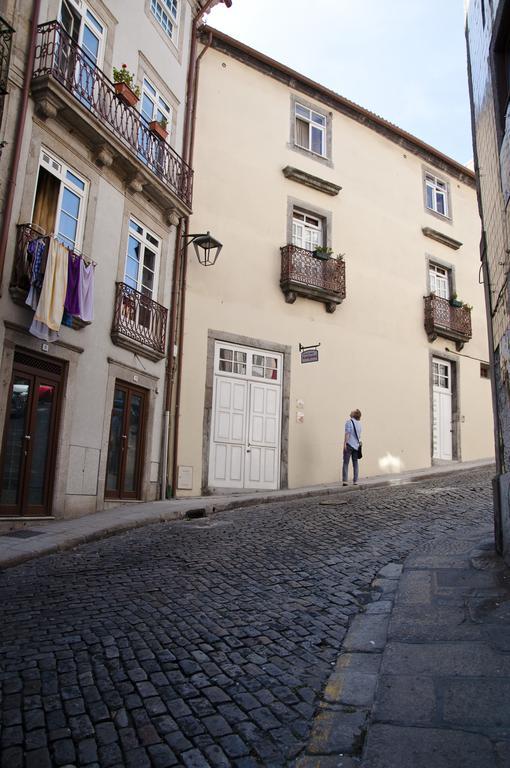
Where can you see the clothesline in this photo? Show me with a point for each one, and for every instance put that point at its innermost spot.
(72, 252)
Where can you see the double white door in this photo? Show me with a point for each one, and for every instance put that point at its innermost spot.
(442, 427)
(245, 434)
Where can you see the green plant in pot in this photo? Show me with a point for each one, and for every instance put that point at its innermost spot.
(455, 301)
(125, 88)
(159, 127)
(323, 252)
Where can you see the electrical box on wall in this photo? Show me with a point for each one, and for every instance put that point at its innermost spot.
(184, 478)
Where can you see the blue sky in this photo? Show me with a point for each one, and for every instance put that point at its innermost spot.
(403, 59)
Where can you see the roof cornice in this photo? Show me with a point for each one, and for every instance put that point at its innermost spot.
(272, 68)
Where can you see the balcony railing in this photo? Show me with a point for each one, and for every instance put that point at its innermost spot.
(6, 33)
(303, 274)
(443, 319)
(139, 323)
(58, 56)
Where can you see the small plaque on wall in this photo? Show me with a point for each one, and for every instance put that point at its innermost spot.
(185, 478)
(310, 356)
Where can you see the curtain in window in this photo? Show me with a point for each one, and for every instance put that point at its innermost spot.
(302, 133)
(46, 201)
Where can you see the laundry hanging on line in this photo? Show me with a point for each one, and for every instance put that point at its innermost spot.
(61, 286)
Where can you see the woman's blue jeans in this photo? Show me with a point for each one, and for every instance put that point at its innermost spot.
(350, 453)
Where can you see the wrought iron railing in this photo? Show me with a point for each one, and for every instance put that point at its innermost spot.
(6, 33)
(443, 319)
(139, 318)
(22, 266)
(301, 266)
(60, 57)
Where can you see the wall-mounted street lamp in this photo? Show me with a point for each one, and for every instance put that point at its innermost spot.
(206, 247)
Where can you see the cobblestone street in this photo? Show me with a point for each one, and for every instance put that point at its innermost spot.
(204, 642)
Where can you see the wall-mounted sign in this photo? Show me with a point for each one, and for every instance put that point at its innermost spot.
(310, 356)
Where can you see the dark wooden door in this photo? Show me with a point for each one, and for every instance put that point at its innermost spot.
(125, 446)
(27, 463)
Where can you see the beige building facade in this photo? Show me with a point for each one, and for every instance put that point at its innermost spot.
(487, 29)
(349, 278)
(94, 183)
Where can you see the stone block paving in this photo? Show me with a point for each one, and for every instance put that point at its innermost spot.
(207, 642)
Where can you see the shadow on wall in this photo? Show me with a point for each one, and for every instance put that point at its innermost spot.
(392, 465)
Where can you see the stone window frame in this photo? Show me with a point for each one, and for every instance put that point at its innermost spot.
(146, 69)
(326, 159)
(175, 45)
(431, 259)
(447, 218)
(321, 213)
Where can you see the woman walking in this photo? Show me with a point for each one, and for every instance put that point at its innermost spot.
(351, 446)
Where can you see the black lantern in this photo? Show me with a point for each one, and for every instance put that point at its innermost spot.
(207, 248)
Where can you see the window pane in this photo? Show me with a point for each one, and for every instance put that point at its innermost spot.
(148, 280)
(147, 107)
(318, 119)
(132, 270)
(133, 248)
(317, 140)
(75, 180)
(240, 357)
(302, 111)
(225, 365)
(430, 198)
(135, 227)
(152, 240)
(441, 208)
(95, 22)
(257, 370)
(226, 354)
(149, 259)
(149, 87)
(70, 203)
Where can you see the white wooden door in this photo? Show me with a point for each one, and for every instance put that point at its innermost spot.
(226, 467)
(262, 451)
(244, 449)
(442, 426)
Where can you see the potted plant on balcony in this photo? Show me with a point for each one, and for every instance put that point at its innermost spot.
(455, 301)
(159, 128)
(323, 252)
(124, 88)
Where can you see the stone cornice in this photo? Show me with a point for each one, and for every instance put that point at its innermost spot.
(441, 238)
(315, 182)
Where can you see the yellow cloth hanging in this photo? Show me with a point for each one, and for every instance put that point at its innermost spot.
(53, 293)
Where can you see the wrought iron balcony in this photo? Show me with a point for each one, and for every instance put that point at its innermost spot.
(67, 82)
(443, 319)
(6, 33)
(139, 323)
(303, 274)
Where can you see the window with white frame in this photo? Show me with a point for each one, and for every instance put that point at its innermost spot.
(436, 194)
(84, 27)
(142, 259)
(60, 201)
(439, 279)
(307, 230)
(153, 106)
(310, 130)
(165, 12)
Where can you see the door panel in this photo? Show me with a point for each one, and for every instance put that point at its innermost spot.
(442, 426)
(126, 442)
(245, 429)
(30, 434)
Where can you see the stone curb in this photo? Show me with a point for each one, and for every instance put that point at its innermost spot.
(341, 721)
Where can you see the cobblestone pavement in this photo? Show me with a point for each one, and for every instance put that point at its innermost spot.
(205, 642)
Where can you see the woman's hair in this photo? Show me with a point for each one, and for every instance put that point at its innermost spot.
(356, 414)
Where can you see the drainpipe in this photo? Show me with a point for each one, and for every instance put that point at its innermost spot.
(20, 129)
(174, 364)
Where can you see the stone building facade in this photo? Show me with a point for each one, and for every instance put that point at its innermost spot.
(487, 29)
(95, 179)
(348, 279)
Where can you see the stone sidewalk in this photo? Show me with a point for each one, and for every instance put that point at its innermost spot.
(38, 538)
(423, 680)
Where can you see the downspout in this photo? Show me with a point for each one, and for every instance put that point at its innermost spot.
(20, 129)
(180, 265)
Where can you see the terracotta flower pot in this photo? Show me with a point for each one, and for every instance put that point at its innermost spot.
(125, 94)
(158, 129)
